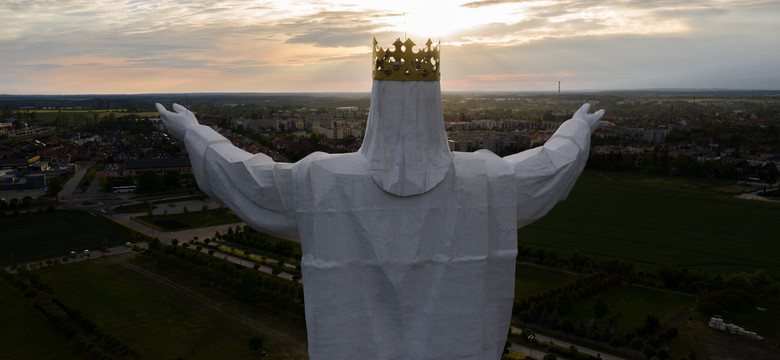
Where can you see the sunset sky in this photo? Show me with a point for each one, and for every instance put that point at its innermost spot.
(175, 46)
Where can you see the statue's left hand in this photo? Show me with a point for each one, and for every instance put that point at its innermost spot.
(591, 119)
(178, 122)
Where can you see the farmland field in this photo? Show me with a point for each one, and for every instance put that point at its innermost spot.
(45, 235)
(661, 221)
(163, 316)
(32, 336)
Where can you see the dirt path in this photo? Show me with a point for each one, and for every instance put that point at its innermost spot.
(237, 315)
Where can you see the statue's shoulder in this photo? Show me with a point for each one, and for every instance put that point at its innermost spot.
(481, 160)
(349, 163)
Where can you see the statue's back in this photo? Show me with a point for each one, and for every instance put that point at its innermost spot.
(428, 276)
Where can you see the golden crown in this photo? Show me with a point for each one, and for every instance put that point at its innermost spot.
(402, 63)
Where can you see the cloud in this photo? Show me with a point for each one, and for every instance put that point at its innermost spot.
(483, 3)
(267, 45)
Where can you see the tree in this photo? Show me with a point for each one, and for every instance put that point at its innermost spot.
(600, 308)
(102, 181)
(54, 186)
(255, 342)
(567, 326)
(149, 181)
(651, 324)
(636, 344)
(172, 179)
(648, 350)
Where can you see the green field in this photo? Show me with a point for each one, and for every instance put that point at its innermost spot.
(46, 235)
(165, 317)
(30, 333)
(662, 221)
(530, 280)
(629, 306)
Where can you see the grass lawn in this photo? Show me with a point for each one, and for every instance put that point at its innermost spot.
(764, 323)
(25, 333)
(530, 280)
(159, 316)
(192, 220)
(629, 307)
(661, 221)
(46, 235)
(132, 208)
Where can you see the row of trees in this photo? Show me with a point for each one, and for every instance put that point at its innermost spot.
(659, 162)
(560, 300)
(249, 285)
(251, 238)
(720, 292)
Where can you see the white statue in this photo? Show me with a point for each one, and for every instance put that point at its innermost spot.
(408, 249)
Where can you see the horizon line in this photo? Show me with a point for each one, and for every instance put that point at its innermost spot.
(443, 92)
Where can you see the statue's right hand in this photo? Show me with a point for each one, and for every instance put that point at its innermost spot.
(178, 122)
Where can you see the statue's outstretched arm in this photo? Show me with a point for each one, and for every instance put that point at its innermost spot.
(257, 188)
(545, 175)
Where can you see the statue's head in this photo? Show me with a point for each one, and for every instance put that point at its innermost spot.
(406, 144)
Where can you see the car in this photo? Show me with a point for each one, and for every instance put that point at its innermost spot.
(128, 244)
(85, 252)
(72, 254)
(105, 249)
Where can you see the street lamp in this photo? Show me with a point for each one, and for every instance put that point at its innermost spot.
(530, 342)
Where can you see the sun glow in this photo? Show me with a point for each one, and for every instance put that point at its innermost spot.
(439, 19)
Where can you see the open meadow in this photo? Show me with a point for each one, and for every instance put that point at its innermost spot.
(655, 222)
(165, 316)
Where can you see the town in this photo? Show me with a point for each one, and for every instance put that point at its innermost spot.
(731, 135)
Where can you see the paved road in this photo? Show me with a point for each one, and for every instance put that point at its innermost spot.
(80, 256)
(67, 190)
(542, 338)
(189, 234)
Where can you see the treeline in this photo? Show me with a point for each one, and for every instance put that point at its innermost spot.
(246, 284)
(660, 162)
(719, 292)
(92, 341)
(14, 206)
(560, 300)
(251, 238)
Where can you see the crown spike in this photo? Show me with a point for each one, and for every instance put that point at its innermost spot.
(403, 63)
